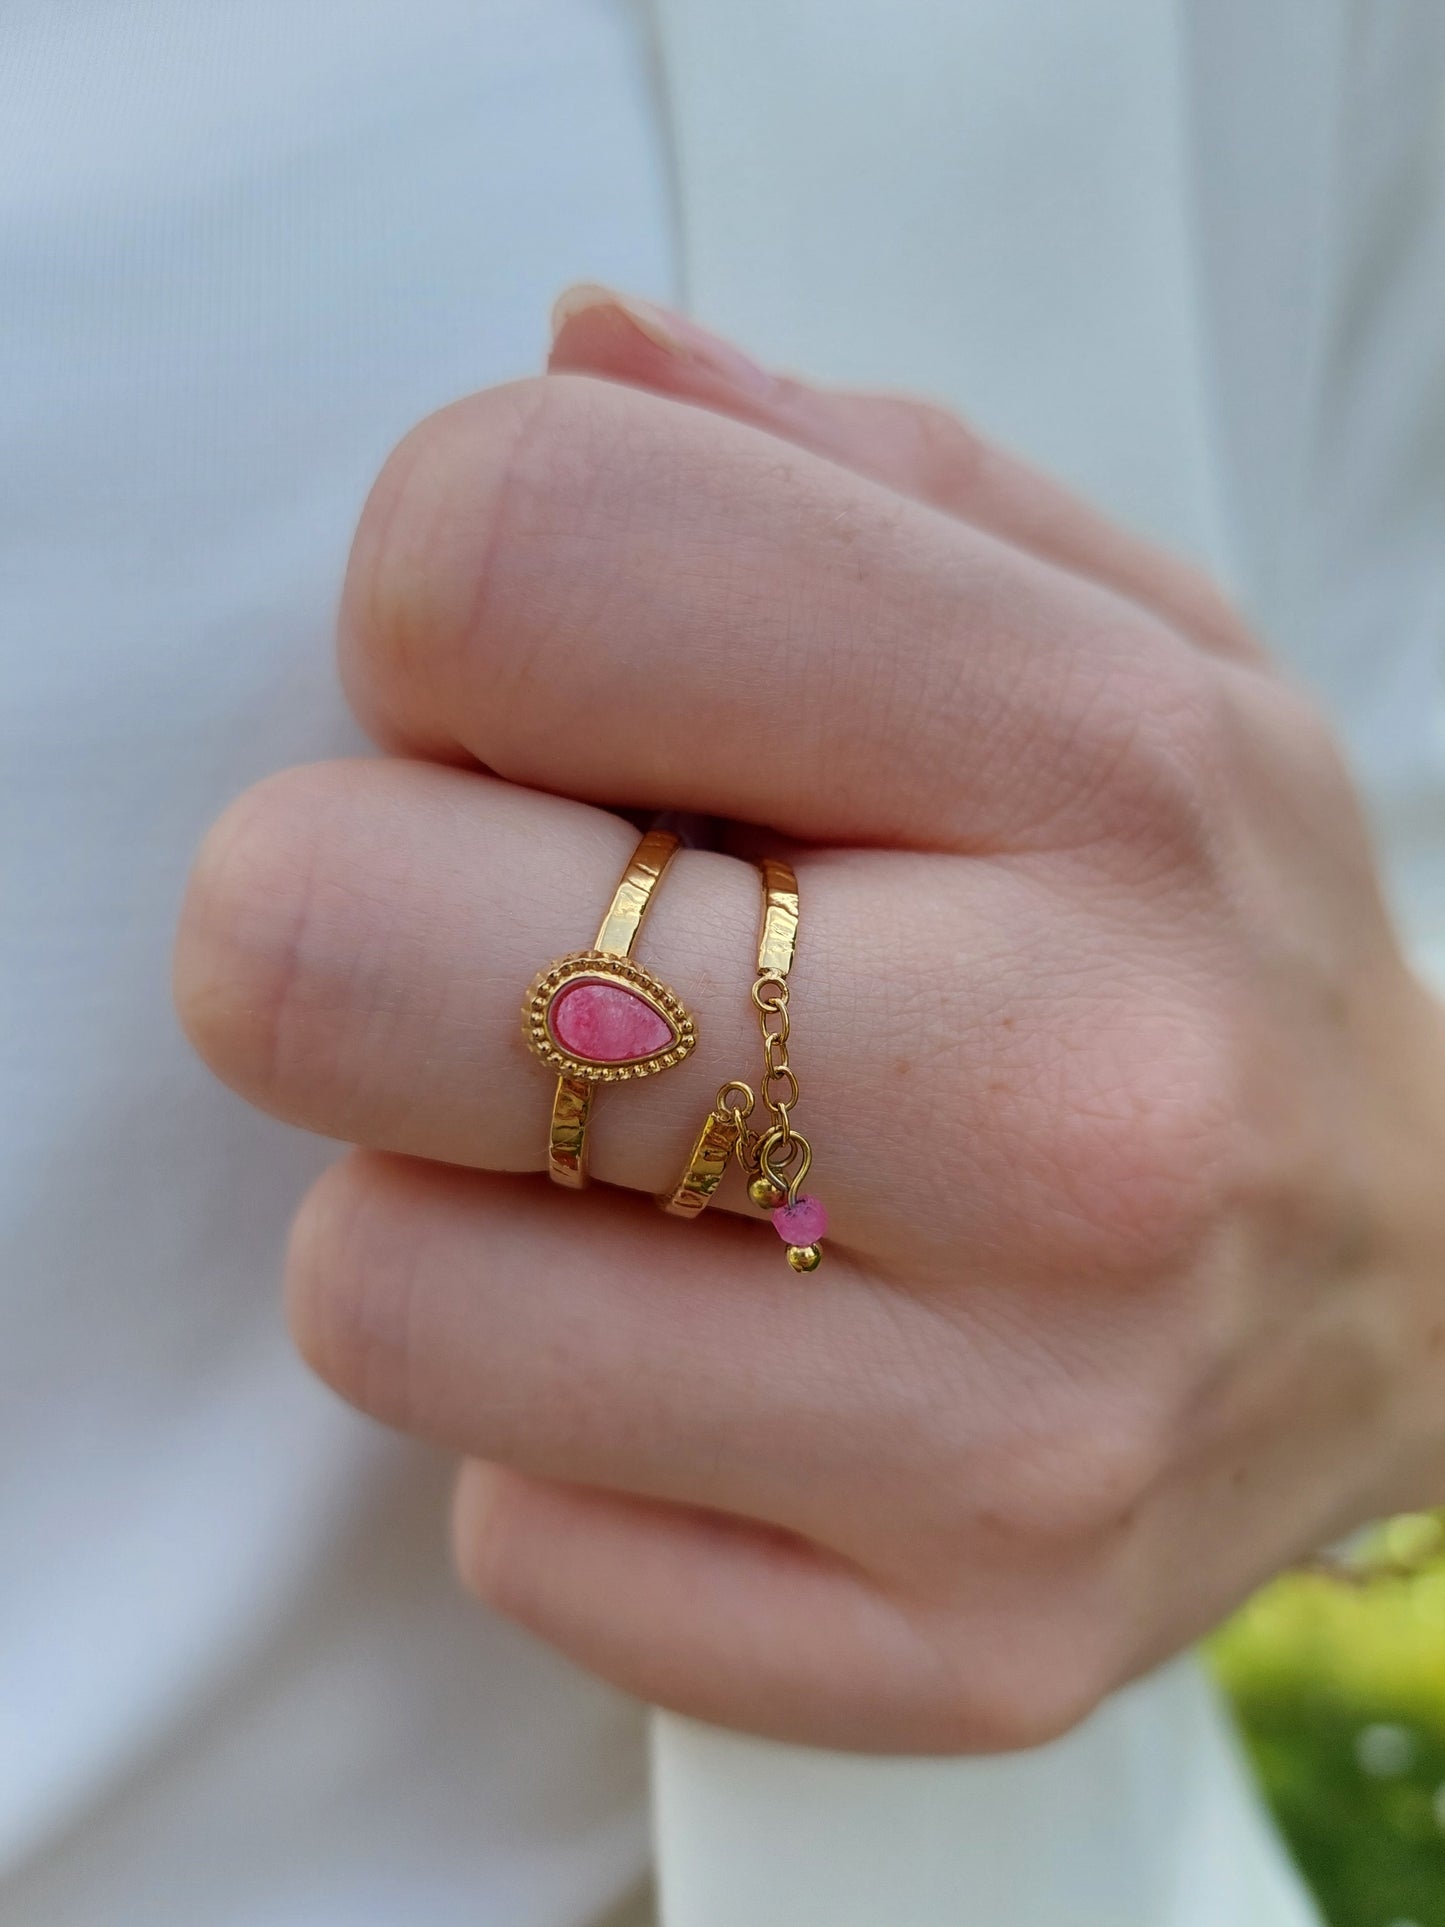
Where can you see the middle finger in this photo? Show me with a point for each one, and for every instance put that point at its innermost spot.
(358, 939)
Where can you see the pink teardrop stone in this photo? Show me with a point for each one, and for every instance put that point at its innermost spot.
(803, 1222)
(608, 1024)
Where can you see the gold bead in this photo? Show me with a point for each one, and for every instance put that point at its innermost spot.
(766, 1194)
(804, 1257)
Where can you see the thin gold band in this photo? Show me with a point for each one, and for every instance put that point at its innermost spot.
(572, 1102)
(633, 894)
(708, 1160)
(779, 939)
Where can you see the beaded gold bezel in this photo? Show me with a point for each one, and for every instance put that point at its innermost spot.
(603, 966)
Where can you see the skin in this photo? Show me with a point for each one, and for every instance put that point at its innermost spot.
(1128, 1114)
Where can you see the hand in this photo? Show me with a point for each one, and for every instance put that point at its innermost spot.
(1126, 1110)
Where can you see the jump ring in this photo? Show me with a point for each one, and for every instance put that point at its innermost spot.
(743, 1093)
(776, 1000)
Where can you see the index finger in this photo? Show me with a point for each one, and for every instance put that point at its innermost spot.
(917, 447)
(623, 599)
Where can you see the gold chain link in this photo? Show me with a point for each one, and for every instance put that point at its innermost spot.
(779, 1154)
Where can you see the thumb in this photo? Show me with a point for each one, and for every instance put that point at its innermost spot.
(915, 447)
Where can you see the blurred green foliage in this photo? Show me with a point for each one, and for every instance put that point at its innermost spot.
(1339, 1687)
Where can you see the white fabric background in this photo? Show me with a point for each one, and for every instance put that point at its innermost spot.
(244, 245)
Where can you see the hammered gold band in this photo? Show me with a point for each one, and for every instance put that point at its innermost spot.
(778, 941)
(633, 895)
(715, 1146)
(596, 1017)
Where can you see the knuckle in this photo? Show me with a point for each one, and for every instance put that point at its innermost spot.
(421, 562)
(1186, 737)
(1135, 1137)
(949, 457)
(1039, 1703)
(484, 1538)
(1315, 735)
(350, 1280)
(1047, 1670)
(1084, 1483)
(1202, 609)
(1067, 1472)
(251, 896)
(457, 538)
(1293, 736)
(1159, 755)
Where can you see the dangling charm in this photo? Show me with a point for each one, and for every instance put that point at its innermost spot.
(802, 1226)
(774, 1162)
(798, 1218)
(779, 1158)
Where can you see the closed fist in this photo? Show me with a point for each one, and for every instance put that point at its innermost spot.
(1125, 1108)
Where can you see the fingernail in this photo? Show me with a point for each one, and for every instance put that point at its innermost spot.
(674, 334)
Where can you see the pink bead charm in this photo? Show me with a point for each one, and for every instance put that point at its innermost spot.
(804, 1222)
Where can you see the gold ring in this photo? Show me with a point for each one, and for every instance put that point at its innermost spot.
(596, 1017)
(717, 1142)
(775, 1161)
